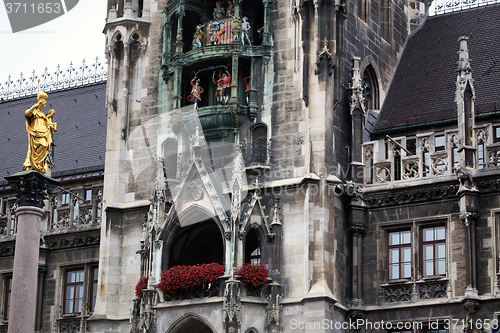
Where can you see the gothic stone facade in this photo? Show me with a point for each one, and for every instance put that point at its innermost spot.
(176, 197)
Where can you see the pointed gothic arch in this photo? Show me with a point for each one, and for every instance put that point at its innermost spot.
(253, 246)
(191, 323)
(197, 243)
(371, 89)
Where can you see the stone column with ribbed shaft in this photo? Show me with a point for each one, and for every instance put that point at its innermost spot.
(31, 187)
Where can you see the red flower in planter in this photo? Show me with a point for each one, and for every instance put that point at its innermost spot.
(142, 284)
(181, 279)
(254, 276)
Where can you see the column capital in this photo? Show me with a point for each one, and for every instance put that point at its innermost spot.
(31, 187)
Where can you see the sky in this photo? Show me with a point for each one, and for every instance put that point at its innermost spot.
(72, 37)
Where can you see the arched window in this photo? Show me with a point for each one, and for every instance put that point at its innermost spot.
(170, 158)
(481, 138)
(259, 144)
(370, 87)
(253, 252)
(199, 243)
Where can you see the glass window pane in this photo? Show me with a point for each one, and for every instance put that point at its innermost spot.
(406, 254)
(440, 251)
(71, 277)
(428, 234)
(394, 271)
(79, 291)
(439, 141)
(78, 305)
(405, 237)
(429, 267)
(440, 233)
(70, 292)
(428, 252)
(441, 266)
(69, 306)
(79, 276)
(407, 270)
(393, 255)
(256, 252)
(394, 238)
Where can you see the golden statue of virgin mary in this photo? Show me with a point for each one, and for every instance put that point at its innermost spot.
(40, 129)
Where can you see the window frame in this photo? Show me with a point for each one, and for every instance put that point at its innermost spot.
(74, 284)
(399, 246)
(94, 285)
(8, 292)
(434, 259)
(496, 138)
(89, 283)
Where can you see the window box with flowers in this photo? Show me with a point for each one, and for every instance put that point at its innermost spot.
(140, 286)
(184, 282)
(254, 278)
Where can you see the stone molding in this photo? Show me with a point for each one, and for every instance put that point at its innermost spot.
(399, 198)
(68, 241)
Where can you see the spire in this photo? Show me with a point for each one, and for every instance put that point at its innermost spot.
(463, 56)
(464, 97)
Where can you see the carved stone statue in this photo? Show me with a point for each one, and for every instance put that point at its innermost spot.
(40, 129)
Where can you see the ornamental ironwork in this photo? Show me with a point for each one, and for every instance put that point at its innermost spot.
(448, 6)
(86, 73)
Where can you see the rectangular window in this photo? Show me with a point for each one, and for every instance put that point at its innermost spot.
(95, 276)
(8, 292)
(88, 195)
(426, 161)
(73, 291)
(411, 145)
(496, 134)
(480, 155)
(454, 157)
(439, 142)
(397, 167)
(434, 251)
(65, 199)
(400, 254)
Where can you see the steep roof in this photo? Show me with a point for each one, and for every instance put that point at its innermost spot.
(423, 87)
(80, 140)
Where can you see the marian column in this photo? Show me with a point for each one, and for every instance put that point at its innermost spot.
(31, 187)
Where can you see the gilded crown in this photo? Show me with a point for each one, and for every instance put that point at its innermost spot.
(42, 95)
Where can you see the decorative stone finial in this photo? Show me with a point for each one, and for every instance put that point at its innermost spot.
(463, 55)
(357, 98)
